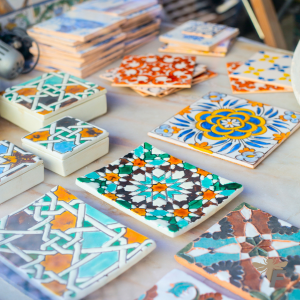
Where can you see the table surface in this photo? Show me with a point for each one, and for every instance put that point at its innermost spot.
(273, 186)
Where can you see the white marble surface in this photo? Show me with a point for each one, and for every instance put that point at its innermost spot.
(273, 186)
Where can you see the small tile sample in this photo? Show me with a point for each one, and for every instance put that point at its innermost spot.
(198, 28)
(179, 285)
(241, 251)
(162, 191)
(15, 161)
(48, 93)
(66, 247)
(156, 70)
(234, 129)
(240, 86)
(266, 67)
(65, 137)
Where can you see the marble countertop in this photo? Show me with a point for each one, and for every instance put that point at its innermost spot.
(273, 186)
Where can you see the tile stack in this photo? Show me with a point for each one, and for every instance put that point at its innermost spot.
(158, 75)
(94, 34)
(199, 38)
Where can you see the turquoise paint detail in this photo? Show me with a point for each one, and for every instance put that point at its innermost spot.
(206, 182)
(159, 195)
(3, 149)
(209, 259)
(99, 216)
(64, 146)
(147, 181)
(157, 162)
(294, 295)
(159, 213)
(146, 194)
(179, 288)
(294, 237)
(289, 251)
(227, 192)
(182, 223)
(171, 193)
(176, 186)
(30, 81)
(211, 243)
(92, 175)
(139, 151)
(53, 80)
(158, 179)
(111, 187)
(94, 239)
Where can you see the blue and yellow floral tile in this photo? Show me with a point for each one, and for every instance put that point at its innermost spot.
(178, 285)
(67, 248)
(241, 252)
(234, 129)
(162, 191)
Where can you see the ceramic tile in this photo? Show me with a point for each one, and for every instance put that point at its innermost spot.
(234, 129)
(65, 137)
(241, 251)
(179, 285)
(150, 12)
(240, 86)
(15, 161)
(156, 70)
(177, 36)
(50, 92)
(66, 247)
(266, 67)
(198, 28)
(162, 191)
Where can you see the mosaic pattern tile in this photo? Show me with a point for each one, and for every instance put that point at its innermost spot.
(204, 29)
(241, 251)
(64, 137)
(15, 161)
(266, 67)
(51, 91)
(156, 70)
(178, 285)
(164, 192)
(234, 129)
(240, 86)
(67, 247)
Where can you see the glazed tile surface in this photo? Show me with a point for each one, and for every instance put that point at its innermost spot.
(160, 190)
(245, 86)
(242, 250)
(231, 128)
(15, 161)
(49, 92)
(65, 137)
(199, 28)
(179, 285)
(266, 67)
(68, 247)
(156, 70)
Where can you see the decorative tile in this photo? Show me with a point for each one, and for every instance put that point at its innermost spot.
(176, 36)
(234, 129)
(241, 251)
(240, 86)
(266, 67)
(162, 191)
(179, 285)
(154, 70)
(65, 137)
(15, 161)
(47, 93)
(198, 28)
(67, 247)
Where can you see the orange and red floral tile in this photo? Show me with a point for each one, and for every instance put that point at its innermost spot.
(156, 71)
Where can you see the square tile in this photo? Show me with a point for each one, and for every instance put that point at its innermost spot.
(198, 28)
(266, 67)
(162, 191)
(240, 86)
(179, 285)
(156, 70)
(67, 248)
(234, 129)
(241, 251)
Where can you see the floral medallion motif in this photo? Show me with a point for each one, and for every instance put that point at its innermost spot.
(234, 129)
(161, 190)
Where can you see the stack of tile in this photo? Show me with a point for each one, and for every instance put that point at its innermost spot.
(158, 75)
(199, 38)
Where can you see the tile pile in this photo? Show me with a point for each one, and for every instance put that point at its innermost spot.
(94, 34)
(199, 38)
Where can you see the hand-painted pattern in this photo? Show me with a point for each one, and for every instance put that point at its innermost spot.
(232, 249)
(245, 86)
(14, 160)
(155, 70)
(231, 128)
(67, 246)
(178, 285)
(204, 29)
(50, 92)
(65, 136)
(161, 190)
(266, 67)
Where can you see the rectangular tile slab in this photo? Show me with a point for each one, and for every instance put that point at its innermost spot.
(198, 28)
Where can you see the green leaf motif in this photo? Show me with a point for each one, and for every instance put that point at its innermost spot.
(195, 204)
